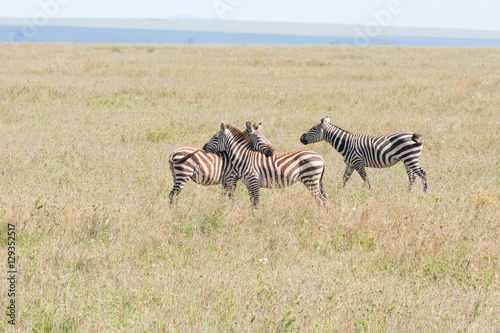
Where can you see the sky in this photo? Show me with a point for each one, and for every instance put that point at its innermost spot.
(463, 14)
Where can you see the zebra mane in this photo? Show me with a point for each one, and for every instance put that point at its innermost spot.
(336, 127)
(239, 136)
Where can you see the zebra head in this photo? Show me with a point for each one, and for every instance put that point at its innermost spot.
(223, 140)
(259, 141)
(316, 133)
(219, 142)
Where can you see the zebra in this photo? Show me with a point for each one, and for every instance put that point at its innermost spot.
(257, 170)
(206, 168)
(360, 151)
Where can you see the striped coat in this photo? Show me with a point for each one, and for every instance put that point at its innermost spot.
(206, 168)
(201, 167)
(362, 151)
(256, 170)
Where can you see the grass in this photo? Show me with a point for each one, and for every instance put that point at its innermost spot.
(86, 131)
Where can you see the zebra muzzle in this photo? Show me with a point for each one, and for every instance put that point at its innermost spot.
(303, 139)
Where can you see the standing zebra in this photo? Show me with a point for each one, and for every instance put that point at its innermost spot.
(211, 169)
(256, 170)
(360, 151)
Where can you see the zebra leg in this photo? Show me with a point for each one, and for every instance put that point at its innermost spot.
(179, 184)
(173, 197)
(360, 168)
(225, 190)
(254, 191)
(411, 177)
(320, 194)
(423, 174)
(416, 169)
(229, 187)
(316, 189)
(347, 174)
(321, 188)
(254, 197)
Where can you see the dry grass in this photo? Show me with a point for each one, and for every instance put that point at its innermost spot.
(85, 133)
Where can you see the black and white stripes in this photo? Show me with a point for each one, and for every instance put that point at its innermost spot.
(257, 170)
(361, 151)
(203, 168)
(233, 155)
(211, 169)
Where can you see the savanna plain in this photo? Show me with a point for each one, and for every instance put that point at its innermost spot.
(85, 136)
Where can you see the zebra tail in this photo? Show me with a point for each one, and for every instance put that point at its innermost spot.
(184, 159)
(417, 138)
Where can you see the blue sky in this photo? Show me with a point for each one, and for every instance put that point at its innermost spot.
(466, 14)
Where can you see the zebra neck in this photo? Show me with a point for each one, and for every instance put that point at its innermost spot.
(338, 138)
(238, 152)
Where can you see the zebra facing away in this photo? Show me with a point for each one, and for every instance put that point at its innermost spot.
(256, 170)
(210, 169)
(360, 151)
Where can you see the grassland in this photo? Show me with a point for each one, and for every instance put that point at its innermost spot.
(85, 135)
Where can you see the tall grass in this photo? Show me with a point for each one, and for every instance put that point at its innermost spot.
(85, 134)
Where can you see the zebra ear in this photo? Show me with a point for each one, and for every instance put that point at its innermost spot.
(259, 127)
(249, 126)
(224, 127)
(327, 119)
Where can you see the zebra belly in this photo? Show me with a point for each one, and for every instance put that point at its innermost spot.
(385, 164)
(269, 183)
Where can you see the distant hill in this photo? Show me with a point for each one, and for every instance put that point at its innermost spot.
(233, 32)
